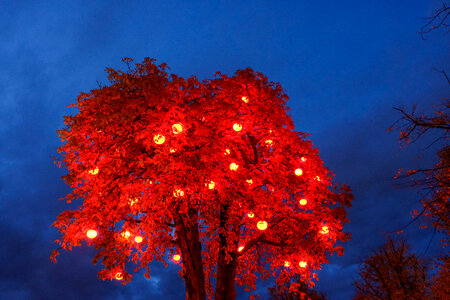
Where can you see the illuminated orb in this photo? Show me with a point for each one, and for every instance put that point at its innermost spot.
(177, 128)
(177, 257)
(303, 201)
(119, 276)
(287, 264)
(178, 193)
(91, 233)
(233, 167)
(227, 151)
(269, 142)
(249, 181)
(303, 264)
(251, 215)
(262, 225)
(93, 172)
(126, 234)
(138, 239)
(325, 230)
(159, 139)
(303, 159)
(240, 248)
(298, 172)
(245, 99)
(211, 185)
(172, 150)
(237, 127)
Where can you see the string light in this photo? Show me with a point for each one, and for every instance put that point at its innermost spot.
(138, 239)
(303, 264)
(287, 264)
(172, 150)
(303, 159)
(249, 181)
(227, 151)
(119, 276)
(251, 215)
(233, 167)
(240, 248)
(262, 225)
(245, 99)
(237, 127)
(133, 201)
(159, 139)
(269, 142)
(211, 185)
(303, 201)
(177, 128)
(126, 234)
(298, 172)
(91, 233)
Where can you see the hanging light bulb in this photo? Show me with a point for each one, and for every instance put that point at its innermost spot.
(119, 276)
(94, 171)
(178, 193)
(298, 172)
(262, 225)
(251, 215)
(269, 142)
(303, 264)
(240, 248)
(233, 167)
(303, 159)
(249, 181)
(159, 139)
(177, 128)
(172, 150)
(237, 127)
(211, 185)
(138, 239)
(287, 264)
(245, 99)
(324, 230)
(177, 257)
(91, 233)
(126, 234)
(303, 201)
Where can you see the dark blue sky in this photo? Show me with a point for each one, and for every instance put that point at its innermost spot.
(344, 64)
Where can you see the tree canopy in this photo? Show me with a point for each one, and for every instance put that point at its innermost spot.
(210, 175)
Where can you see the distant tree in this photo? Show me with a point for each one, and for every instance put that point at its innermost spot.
(298, 290)
(209, 175)
(440, 284)
(393, 273)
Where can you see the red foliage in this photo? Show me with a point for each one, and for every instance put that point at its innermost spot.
(125, 179)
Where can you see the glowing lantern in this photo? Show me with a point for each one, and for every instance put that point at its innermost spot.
(249, 181)
(237, 127)
(178, 193)
(298, 172)
(303, 264)
(303, 159)
(227, 151)
(91, 233)
(172, 150)
(251, 215)
(159, 139)
(269, 142)
(287, 264)
(240, 248)
(176, 257)
(177, 128)
(138, 239)
(325, 230)
(211, 185)
(126, 234)
(119, 276)
(93, 172)
(245, 99)
(262, 225)
(303, 201)
(233, 167)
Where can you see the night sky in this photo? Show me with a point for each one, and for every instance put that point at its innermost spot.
(344, 65)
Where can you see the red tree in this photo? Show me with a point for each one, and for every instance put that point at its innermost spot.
(210, 175)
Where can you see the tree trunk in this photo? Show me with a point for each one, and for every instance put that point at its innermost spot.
(191, 252)
(225, 281)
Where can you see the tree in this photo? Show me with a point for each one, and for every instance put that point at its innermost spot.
(209, 175)
(298, 290)
(391, 272)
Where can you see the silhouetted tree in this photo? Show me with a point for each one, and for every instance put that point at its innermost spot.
(210, 175)
(297, 290)
(392, 272)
